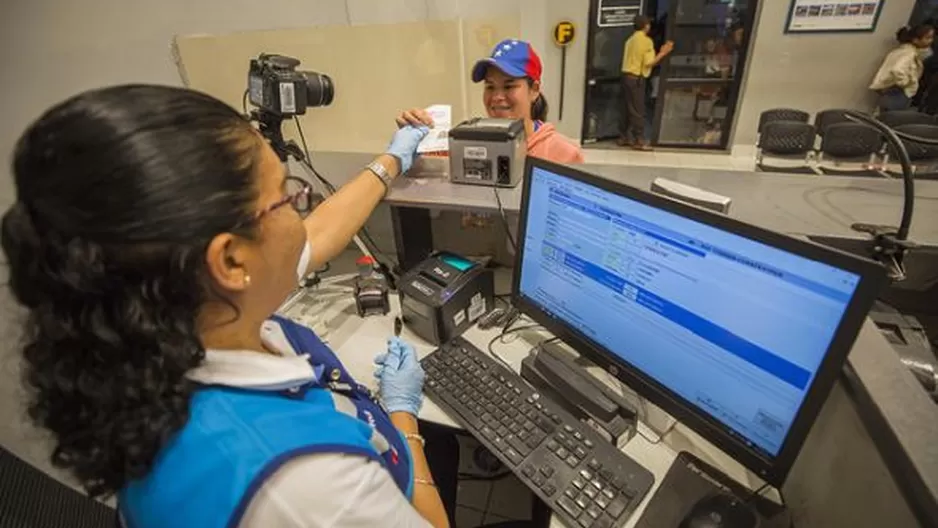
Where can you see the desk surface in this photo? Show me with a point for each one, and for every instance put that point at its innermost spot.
(898, 414)
(357, 341)
(797, 204)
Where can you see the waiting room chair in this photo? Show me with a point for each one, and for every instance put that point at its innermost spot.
(31, 499)
(827, 118)
(790, 143)
(782, 114)
(897, 118)
(924, 157)
(849, 149)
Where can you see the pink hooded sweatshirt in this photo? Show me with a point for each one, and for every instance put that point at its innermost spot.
(547, 143)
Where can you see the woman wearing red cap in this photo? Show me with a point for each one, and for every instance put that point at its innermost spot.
(512, 75)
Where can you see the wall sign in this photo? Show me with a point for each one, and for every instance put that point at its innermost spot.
(564, 33)
(825, 16)
(617, 13)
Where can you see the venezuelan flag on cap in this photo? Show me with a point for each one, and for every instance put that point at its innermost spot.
(516, 58)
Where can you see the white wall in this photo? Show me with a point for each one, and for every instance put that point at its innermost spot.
(52, 49)
(811, 72)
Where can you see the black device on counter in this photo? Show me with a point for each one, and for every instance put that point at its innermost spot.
(277, 87)
(444, 295)
(555, 374)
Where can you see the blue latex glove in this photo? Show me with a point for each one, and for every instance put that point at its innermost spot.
(404, 145)
(400, 378)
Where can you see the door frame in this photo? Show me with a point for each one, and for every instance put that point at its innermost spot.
(590, 28)
(735, 85)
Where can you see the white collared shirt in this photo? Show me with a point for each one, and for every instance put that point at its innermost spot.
(313, 491)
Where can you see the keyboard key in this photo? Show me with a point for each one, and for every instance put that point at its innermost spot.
(586, 474)
(597, 484)
(538, 479)
(580, 452)
(585, 521)
(603, 522)
(588, 443)
(602, 502)
(514, 456)
(582, 501)
(606, 474)
(528, 471)
(571, 492)
(519, 446)
(590, 492)
(528, 424)
(549, 490)
(578, 435)
(553, 446)
(562, 453)
(578, 484)
(535, 439)
(487, 432)
(593, 511)
(617, 506)
(561, 437)
(568, 428)
(572, 461)
(609, 494)
(594, 464)
(630, 493)
(556, 418)
(567, 505)
(502, 431)
(547, 471)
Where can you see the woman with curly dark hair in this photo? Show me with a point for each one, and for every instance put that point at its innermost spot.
(154, 234)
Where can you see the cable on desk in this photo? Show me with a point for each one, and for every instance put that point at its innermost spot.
(501, 212)
(500, 337)
(661, 436)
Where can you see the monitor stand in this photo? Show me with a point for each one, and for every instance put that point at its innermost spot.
(688, 481)
(553, 372)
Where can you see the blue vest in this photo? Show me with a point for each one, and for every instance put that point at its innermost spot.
(207, 474)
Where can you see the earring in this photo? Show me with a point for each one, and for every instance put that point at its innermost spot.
(247, 280)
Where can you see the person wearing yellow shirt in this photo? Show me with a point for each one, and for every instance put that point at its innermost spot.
(638, 59)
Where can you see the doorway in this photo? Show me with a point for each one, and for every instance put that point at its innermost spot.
(692, 95)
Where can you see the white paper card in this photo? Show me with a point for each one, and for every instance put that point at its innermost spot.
(438, 138)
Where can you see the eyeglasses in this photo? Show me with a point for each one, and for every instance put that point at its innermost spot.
(298, 194)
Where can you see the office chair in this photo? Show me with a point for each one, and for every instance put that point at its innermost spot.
(782, 114)
(790, 141)
(827, 118)
(848, 149)
(31, 499)
(924, 157)
(897, 118)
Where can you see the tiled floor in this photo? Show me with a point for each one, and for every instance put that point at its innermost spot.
(483, 502)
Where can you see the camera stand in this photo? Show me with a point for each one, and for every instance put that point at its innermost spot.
(271, 127)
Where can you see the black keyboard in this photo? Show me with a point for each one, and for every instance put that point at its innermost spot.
(582, 477)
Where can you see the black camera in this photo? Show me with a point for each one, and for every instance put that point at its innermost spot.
(276, 87)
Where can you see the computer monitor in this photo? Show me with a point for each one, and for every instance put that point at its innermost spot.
(736, 331)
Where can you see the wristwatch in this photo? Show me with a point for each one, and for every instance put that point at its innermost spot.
(378, 170)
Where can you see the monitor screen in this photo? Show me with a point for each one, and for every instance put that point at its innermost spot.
(734, 327)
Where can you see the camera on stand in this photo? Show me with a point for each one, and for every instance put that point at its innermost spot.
(280, 91)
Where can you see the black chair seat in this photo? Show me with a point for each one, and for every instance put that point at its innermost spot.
(782, 114)
(827, 118)
(850, 140)
(897, 118)
(31, 499)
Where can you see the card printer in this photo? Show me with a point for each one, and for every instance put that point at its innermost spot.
(487, 151)
(444, 295)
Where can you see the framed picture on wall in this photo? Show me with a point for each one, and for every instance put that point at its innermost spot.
(828, 16)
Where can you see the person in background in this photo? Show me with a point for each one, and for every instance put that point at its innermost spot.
(512, 76)
(897, 79)
(154, 235)
(638, 59)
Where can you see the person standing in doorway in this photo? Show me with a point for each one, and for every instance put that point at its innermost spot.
(638, 59)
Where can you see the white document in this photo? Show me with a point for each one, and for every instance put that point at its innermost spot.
(438, 138)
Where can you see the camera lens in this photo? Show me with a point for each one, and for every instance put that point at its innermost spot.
(319, 89)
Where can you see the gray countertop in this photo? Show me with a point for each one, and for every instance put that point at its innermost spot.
(789, 203)
(900, 417)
